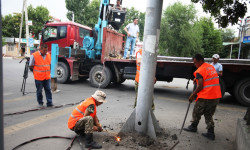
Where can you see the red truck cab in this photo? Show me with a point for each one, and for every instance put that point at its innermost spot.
(65, 34)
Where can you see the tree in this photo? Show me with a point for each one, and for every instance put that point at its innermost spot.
(211, 37)
(227, 35)
(39, 16)
(92, 13)
(11, 25)
(224, 11)
(130, 15)
(179, 36)
(84, 12)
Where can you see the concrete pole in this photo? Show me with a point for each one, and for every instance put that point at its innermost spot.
(143, 118)
(20, 31)
(27, 53)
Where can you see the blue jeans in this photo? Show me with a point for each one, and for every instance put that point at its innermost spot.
(129, 42)
(47, 88)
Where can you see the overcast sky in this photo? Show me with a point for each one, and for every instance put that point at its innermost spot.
(57, 8)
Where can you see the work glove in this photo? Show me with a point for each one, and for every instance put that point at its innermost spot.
(191, 98)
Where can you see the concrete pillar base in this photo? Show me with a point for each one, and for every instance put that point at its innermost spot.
(242, 135)
(152, 125)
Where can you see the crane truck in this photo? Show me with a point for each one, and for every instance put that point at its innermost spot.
(96, 54)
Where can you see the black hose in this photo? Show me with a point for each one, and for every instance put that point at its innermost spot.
(46, 137)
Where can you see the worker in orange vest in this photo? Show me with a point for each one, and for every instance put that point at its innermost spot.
(83, 120)
(207, 93)
(138, 68)
(40, 64)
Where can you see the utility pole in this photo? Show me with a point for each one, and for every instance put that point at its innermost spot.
(143, 120)
(20, 31)
(27, 52)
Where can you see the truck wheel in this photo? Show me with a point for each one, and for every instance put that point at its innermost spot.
(100, 77)
(242, 91)
(62, 72)
(222, 87)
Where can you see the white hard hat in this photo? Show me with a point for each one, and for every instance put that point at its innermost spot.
(216, 56)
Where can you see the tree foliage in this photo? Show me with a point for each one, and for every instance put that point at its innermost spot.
(227, 35)
(85, 12)
(3, 42)
(179, 36)
(225, 11)
(211, 37)
(11, 25)
(39, 16)
(183, 35)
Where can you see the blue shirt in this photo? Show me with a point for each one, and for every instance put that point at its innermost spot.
(218, 67)
(32, 59)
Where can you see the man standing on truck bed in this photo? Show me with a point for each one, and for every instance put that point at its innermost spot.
(218, 67)
(132, 30)
(208, 94)
(83, 120)
(40, 64)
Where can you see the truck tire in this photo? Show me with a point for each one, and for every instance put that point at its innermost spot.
(242, 91)
(100, 77)
(222, 87)
(62, 73)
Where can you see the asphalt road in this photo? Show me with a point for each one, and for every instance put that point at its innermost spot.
(170, 100)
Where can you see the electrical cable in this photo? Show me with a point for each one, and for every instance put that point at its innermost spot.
(46, 137)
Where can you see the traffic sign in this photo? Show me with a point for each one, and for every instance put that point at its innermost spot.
(246, 39)
(31, 42)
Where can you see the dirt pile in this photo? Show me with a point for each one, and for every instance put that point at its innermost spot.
(135, 140)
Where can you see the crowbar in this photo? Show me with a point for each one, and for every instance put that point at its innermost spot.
(185, 116)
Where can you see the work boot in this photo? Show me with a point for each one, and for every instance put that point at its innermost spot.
(210, 134)
(191, 128)
(89, 143)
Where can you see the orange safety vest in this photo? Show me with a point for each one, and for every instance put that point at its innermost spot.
(138, 66)
(41, 67)
(78, 112)
(211, 84)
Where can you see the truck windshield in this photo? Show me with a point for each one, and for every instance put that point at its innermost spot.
(83, 32)
(54, 33)
(50, 33)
